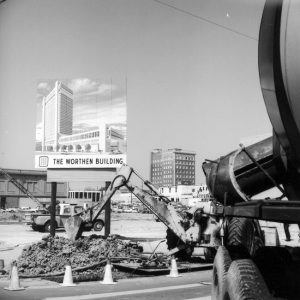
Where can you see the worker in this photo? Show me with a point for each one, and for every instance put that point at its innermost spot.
(49, 208)
(287, 231)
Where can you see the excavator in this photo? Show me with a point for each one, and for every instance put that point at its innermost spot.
(197, 227)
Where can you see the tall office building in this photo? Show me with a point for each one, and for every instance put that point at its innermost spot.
(57, 118)
(172, 167)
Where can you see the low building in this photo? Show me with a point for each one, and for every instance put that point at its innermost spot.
(108, 138)
(186, 194)
(35, 182)
(123, 196)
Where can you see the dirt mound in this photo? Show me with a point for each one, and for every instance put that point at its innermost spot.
(50, 255)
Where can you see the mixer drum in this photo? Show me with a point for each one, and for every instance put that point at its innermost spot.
(279, 70)
(235, 178)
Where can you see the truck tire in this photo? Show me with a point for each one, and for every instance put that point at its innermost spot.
(35, 227)
(242, 234)
(173, 241)
(98, 225)
(244, 282)
(47, 226)
(221, 265)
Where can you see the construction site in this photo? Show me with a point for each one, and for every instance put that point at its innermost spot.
(240, 241)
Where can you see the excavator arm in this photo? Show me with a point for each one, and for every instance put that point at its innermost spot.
(165, 212)
(156, 203)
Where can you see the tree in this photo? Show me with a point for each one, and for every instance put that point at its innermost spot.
(87, 147)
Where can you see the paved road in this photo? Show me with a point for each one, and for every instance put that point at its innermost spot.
(195, 285)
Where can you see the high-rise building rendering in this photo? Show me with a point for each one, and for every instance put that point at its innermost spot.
(57, 116)
(172, 167)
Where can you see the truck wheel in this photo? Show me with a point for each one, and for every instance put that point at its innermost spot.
(47, 227)
(244, 281)
(35, 227)
(98, 225)
(173, 241)
(242, 233)
(220, 268)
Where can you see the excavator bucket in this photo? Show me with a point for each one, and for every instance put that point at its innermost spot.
(73, 227)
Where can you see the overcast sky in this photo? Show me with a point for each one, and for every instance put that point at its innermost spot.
(191, 69)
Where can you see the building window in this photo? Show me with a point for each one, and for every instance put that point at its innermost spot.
(32, 186)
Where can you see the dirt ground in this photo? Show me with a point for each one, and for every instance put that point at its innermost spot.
(13, 237)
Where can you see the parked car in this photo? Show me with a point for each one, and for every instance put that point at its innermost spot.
(127, 210)
(41, 221)
(12, 210)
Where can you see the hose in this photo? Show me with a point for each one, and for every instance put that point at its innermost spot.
(102, 262)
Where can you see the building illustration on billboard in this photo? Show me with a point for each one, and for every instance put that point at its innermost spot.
(82, 121)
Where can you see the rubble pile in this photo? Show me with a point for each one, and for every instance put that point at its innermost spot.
(50, 255)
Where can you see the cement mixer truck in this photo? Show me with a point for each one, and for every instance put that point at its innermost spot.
(244, 267)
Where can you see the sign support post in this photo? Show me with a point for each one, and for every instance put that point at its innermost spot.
(53, 208)
(107, 214)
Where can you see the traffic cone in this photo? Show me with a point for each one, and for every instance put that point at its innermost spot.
(174, 270)
(68, 279)
(14, 284)
(107, 279)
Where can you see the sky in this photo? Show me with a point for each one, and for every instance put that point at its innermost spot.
(190, 65)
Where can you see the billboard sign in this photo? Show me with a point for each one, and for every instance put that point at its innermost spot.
(81, 123)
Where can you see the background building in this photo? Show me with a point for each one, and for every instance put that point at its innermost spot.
(32, 180)
(57, 116)
(186, 194)
(172, 167)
